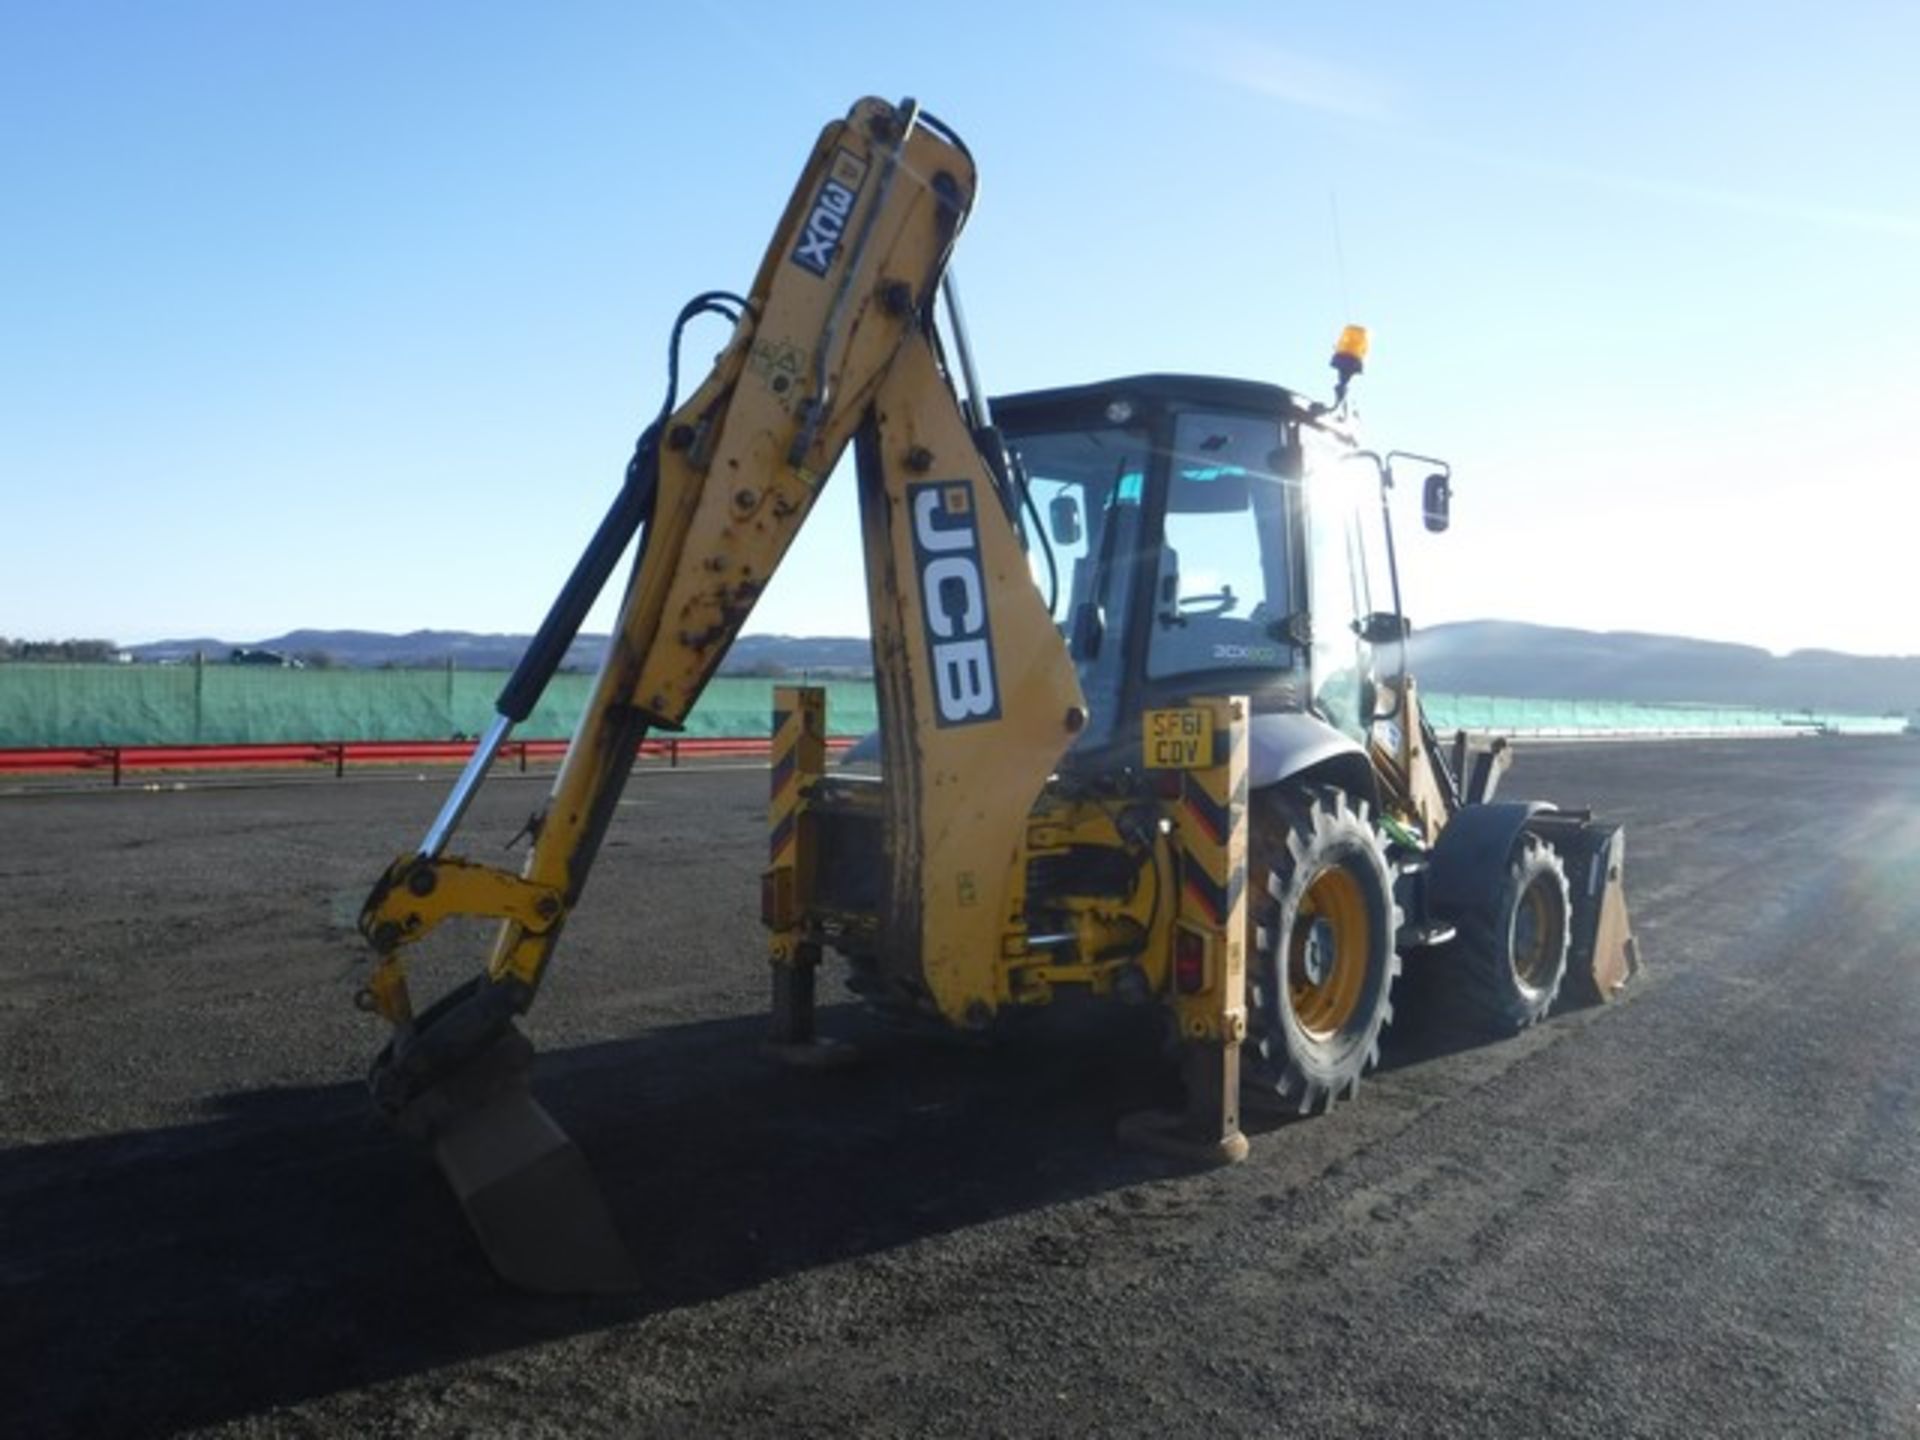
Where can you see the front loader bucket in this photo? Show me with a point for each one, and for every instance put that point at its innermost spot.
(1602, 954)
(525, 1187)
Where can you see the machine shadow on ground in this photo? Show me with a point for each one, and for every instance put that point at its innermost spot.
(291, 1246)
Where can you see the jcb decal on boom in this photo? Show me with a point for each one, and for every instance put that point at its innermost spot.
(953, 602)
(826, 223)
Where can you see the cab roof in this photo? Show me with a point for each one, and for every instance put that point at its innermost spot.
(1254, 396)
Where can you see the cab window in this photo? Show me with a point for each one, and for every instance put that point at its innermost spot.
(1223, 584)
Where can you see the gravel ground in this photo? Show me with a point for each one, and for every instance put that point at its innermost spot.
(1690, 1213)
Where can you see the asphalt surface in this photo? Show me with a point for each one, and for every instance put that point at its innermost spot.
(1694, 1212)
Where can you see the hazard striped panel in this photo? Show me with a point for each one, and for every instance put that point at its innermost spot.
(799, 756)
(1211, 823)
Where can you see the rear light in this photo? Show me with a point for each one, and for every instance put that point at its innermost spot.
(1189, 962)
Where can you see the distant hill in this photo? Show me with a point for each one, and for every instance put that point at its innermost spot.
(1506, 657)
(370, 649)
(1476, 657)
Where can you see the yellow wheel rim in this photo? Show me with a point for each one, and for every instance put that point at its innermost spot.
(1328, 954)
(1536, 935)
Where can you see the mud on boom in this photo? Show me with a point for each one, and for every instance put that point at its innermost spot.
(1146, 729)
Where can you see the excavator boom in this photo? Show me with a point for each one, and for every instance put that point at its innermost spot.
(834, 339)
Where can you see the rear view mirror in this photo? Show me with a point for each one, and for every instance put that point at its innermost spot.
(1063, 519)
(1437, 501)
(1382, 627)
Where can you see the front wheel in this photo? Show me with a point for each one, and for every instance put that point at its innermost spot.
(1321, 959)
(1511, 953)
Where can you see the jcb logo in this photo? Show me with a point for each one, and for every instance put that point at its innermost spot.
(953, 602)
(826, 224)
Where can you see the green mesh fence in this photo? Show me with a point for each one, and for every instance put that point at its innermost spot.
(219, 704)
(216, 704)
(1508, 715)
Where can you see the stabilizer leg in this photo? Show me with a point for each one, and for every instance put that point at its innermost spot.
(786, 890)
(1209, 938)
(791, 1037)
(793, 992)
(1207, 1131)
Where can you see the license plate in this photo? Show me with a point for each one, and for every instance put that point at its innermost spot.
(1178, 739)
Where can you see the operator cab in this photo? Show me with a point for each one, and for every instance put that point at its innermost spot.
(1200, 536)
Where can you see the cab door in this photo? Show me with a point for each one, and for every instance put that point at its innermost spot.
(1341, 497)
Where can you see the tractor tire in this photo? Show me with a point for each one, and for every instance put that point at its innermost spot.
(1321, 962)
(1510, 956)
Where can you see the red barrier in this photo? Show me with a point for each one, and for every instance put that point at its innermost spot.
(341, 754)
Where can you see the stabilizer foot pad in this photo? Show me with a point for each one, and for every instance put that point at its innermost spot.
(1172, 1133)
(811, 1054)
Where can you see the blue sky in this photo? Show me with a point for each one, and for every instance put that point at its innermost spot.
(345, 315)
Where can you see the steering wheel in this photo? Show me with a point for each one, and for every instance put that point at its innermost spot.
(1224, 601)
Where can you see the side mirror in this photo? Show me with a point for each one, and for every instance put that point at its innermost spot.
(1382, 627)
(1437, 501)
(1063, 519)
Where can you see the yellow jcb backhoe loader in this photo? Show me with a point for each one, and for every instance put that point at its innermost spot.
(1146, 729)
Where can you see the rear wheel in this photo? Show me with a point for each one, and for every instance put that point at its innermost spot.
(1321, 963)
(1510, 957)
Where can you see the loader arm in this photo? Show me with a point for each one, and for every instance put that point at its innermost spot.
(835, 338)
